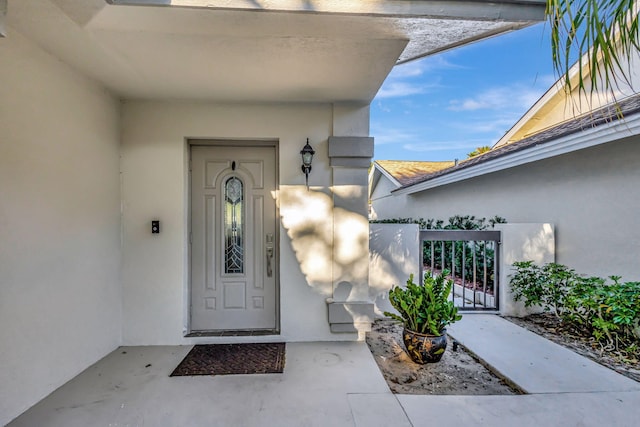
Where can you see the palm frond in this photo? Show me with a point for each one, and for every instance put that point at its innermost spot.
(602, 32)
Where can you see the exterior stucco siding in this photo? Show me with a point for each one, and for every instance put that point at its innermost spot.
(590, 196)
(155, 186)
(60, 293)
(384, 204)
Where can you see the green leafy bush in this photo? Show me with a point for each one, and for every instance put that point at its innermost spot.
(608, 310)
(425, 308)
(547, 286)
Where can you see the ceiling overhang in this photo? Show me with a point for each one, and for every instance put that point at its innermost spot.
(508, 10)
(256, 51)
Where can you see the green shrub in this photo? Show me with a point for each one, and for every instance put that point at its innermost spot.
(546, 286)
(608, 310)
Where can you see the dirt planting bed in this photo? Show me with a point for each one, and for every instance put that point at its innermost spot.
(458, 373)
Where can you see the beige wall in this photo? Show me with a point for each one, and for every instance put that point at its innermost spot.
(590, 196)
(155, 270)
(60, 294)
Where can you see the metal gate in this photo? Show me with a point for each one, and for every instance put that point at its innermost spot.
(472, 258)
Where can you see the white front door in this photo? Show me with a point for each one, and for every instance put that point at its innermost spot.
(233, 251)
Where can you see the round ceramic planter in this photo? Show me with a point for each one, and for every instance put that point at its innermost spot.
(424, 348)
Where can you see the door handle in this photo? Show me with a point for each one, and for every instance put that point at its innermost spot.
(269, 257)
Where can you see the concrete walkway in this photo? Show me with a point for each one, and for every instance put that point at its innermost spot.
(338, 384)
(565, 389)
(533, 363)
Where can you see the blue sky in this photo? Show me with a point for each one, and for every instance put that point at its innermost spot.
(443, 106)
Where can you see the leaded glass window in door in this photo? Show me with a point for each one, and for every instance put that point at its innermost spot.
(234, 226)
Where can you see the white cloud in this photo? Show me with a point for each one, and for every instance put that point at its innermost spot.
(419, 67)
(393, 136)
(513, 97)
(546, 80)
(428, 146)
(498, 124)
(439, 62)
(383, 107)
(401, 89)
(467, 105)
(408, 79)
(410, 69)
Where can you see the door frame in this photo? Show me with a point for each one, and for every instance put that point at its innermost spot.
(226, 142)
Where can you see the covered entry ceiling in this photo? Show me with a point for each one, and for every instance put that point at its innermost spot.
(253, 51)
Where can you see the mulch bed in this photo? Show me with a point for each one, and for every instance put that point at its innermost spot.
(230, 359)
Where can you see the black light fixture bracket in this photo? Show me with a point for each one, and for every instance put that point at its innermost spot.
(307, 153)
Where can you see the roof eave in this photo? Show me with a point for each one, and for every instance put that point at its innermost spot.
(504, 10)
(384, 172)
(599, 135)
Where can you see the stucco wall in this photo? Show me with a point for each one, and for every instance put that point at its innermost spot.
(393, 256)
(590, 196)
(155, 267)
(381, 197)
(60, 294)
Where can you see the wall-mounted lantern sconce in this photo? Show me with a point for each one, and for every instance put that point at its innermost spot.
(307, 153)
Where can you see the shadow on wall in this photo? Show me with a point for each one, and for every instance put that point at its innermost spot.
(393, 256)
(329, 242)
(537, 243)
(307, 216)
(350, 249)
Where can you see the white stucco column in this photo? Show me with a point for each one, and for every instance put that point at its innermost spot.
(350, 236)
(522, 242)
(394, 255)
(350, 153)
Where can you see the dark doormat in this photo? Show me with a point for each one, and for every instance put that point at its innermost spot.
(229, 359)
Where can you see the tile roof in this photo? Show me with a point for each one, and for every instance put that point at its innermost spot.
(405, 171)
(608, 114)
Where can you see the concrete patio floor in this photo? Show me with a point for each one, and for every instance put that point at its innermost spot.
(326, 384)
(323, 384)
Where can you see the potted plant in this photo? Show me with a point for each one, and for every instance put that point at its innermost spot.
(425, 311)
